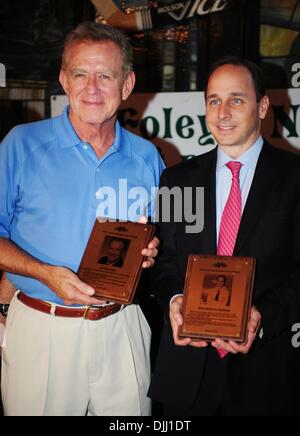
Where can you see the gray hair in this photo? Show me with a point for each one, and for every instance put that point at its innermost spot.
(96, 32)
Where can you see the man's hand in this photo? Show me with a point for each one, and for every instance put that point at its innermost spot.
(69, 287)
(233, 347)
(151, 251)
(176, 320)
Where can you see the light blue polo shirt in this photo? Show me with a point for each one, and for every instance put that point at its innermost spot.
(52, 187)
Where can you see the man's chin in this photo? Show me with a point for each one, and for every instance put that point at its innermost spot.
(225, 143)
(92, 120)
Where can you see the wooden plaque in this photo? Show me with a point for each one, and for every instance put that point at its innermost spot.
(112, 261)
(217, 297)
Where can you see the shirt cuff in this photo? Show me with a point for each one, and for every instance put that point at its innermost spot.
(174, 296)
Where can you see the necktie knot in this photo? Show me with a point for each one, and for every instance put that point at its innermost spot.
(235, 168)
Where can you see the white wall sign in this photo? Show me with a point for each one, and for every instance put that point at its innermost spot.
(175, 122)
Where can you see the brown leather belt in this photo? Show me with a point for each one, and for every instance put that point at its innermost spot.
(90, 312)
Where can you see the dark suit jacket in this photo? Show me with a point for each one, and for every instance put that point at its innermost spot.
(117, 263)
(266, 380)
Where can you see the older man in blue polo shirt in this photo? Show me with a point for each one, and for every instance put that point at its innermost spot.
(52, 174)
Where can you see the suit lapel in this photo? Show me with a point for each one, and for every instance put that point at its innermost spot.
(265, 180)
(204, 175)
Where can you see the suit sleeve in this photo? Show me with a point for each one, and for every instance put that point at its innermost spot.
(168, 280)
(280, 304)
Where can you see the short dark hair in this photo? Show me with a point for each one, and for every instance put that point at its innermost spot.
(254, 70)
(96, 32)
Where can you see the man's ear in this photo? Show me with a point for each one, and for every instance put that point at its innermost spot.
(128, 85)
(264, 107)
(63, 81)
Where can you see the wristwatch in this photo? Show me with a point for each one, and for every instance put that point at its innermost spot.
(4, 309)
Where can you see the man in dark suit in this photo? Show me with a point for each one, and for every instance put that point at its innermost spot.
(259, 377)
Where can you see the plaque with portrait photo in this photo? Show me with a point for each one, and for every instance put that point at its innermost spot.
(217, 297)
(112, 261)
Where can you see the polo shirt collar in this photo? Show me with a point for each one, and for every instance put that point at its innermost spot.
(67, 137)
(64, 131)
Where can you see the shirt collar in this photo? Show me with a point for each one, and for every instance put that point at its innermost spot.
(64, 131)
(67, 137)
(249, 158)
(117, 142)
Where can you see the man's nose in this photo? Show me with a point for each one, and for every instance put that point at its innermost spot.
(92, 85)
(224, 111)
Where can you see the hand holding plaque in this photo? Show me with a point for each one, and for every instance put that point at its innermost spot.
(217, 297)
(112, 261)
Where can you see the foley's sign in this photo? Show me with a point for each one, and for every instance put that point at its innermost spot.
(175, 122)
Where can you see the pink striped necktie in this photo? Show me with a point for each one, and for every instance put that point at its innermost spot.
(231, 218)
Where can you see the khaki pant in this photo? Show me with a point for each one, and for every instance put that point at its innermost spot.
(72, 366)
